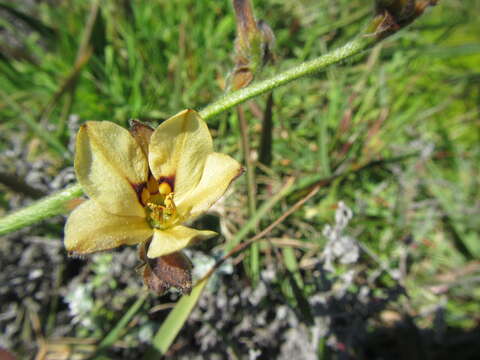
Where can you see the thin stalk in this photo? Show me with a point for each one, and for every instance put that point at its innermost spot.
(66, 110)
(172, 325)
(118, 330)
(55, 204)
(251, 186)
(84, 53)
(52, 205)
(254, 255)
(351, 48)
(253, 222)
(265, 151)
(323, 146)
(39, 130)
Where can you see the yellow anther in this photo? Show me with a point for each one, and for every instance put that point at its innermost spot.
(152, 185)
(154, 207)
(169, 204)
(165, 188)
(162, 215)
(156, 212)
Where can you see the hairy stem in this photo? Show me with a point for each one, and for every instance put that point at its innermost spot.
(229, 100)
(56, 203)
(52, 205)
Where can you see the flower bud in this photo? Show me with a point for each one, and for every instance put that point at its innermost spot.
(253, 45)
(392, 15)
(164, 272)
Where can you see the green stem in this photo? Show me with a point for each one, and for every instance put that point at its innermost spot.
(172, 325)
(265, 151)
(245, 142)
(55, 204)
(254, 255)
(52, 205)
(229, 100)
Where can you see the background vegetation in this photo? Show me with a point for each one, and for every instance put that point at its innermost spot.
(399, 125)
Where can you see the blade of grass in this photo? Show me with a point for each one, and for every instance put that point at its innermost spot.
(35, 24)
(253, 265)
(265, 151)
(296, 283)
(42, 133)
(68, 85)
(292, 265)
(245, 142)
(174, 322)
(259, 214)
(119, 329)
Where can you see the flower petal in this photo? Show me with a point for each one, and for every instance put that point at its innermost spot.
(178, 150)
(168, 241)
(89, 228)
(109, 163)
(220, 170)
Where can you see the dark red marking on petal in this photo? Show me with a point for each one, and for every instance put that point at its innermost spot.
(138, 190)
(170, 180)
(239, 173)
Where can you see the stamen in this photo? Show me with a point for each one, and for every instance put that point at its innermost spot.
(156, 214)
(162, 216)
(169, 204)
(165, 188)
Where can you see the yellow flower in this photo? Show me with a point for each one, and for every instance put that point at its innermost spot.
(145, 184)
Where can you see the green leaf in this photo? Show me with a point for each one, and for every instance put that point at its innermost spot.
(174, 322)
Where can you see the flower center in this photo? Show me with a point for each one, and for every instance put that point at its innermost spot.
(159, 204)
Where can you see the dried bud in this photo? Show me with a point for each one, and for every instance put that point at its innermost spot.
(393, 15)
(164, 272)
(253, 45)
(142, 133)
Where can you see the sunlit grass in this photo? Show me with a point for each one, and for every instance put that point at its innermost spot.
(415, 95)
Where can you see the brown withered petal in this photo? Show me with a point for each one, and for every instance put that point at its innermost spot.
(142, 251)
(153, 283)
(385, 24)
(173, 270)
(399, 13)
(142, 133)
